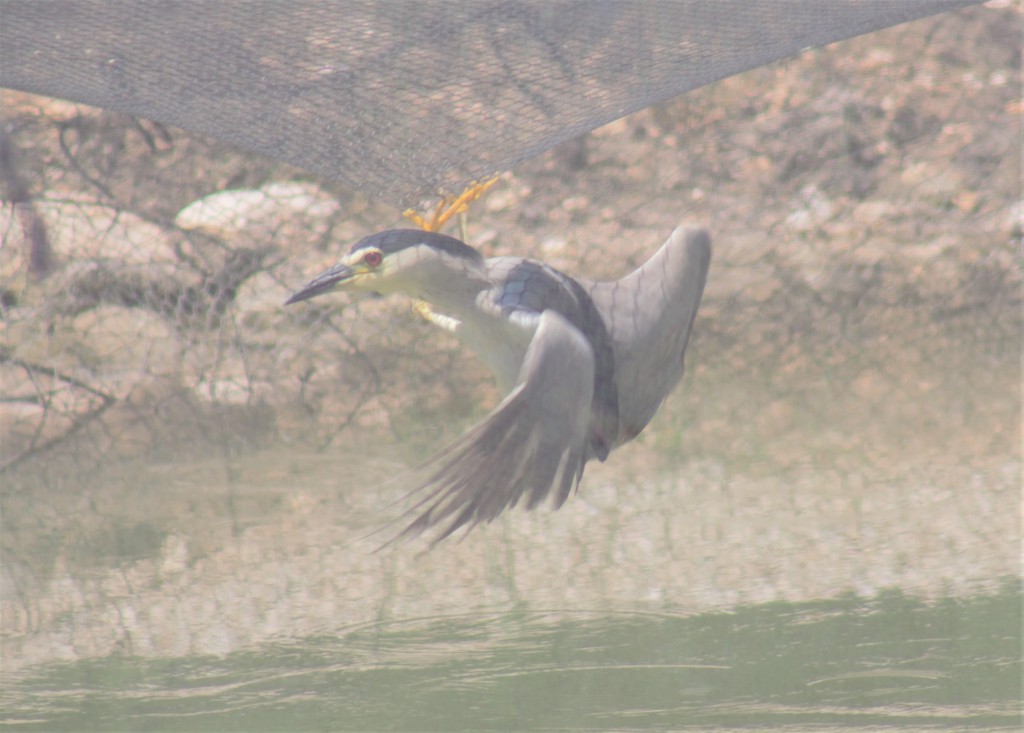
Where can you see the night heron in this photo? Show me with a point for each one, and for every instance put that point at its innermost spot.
(586, 364)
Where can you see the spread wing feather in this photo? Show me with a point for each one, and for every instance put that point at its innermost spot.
(532, 445)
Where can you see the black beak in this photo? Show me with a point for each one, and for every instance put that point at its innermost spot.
(325, 282)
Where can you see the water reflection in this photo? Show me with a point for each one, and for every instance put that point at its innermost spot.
(890, 662)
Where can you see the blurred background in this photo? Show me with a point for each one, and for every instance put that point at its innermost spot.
(190, 469)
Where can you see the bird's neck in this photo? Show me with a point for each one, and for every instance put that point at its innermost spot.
(453, 293)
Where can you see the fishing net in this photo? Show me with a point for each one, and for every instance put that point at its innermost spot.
(144, 266)
(173, 440)
(400, 99)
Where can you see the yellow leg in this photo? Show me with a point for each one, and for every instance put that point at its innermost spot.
(440, 320)
(449, 206)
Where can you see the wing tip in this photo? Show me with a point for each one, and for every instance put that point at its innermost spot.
(695, 240)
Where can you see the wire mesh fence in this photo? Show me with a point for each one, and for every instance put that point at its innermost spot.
(863, 199)
(850, 418)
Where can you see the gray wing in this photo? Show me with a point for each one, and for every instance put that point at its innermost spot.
(650, 315)
(533, 444)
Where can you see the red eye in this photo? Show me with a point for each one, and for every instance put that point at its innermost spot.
(373, 258)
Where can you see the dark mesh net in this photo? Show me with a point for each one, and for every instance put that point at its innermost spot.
(400, 99)
(189, 467)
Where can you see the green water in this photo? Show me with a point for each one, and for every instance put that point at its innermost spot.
(888, 663)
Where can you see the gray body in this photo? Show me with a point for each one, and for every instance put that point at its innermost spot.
(586, 364)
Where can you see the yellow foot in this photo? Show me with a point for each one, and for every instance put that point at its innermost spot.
(450, 206)
(424, 309)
